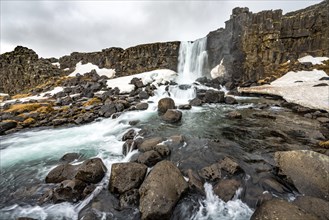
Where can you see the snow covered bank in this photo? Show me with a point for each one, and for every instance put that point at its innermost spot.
(313, 60)
(160, 76)
(86, 68)
(298, 87)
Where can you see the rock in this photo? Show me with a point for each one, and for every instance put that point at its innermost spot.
(280, 209)
(129, 135)
(230, 166)
(230, 100)
(212, 96)
(91, 171)
(264, 115)
(196, 102)
(126, 176)
(129, 146)
(161, 190)
(69, 157)
(59, 121)
(234, 115)
(129, 199)
(314, 206)
(307, 170)
(162, 149)
(172, 116)
(320, 84)
(323, 119)
(164, 104)
(149, 158)
(143, 95)
(226, 189)
(137, 82)
(149, 144)
(185, 107)
(25, 218)
(195, 182)
(68, 191)
(142, 106)
(107, 110)
(212, 172)
(61, 173)
(134, 122)
(5, 126)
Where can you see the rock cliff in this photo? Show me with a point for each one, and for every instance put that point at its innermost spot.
(22, 69)
(253, 46)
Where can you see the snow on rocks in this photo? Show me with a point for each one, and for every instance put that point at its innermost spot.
(85, 68)
(313, 60)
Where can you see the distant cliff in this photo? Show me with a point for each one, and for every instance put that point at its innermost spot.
(253, 45)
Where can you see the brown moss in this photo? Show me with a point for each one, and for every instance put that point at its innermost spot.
(19, 96)
(92, 101)
(45, 109)
(21, 108)
(324, 144)
(64, 109)
(28, 121)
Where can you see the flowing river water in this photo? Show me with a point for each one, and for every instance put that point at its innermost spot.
(27, 156)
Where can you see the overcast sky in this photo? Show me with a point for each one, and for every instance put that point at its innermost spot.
(57, 28)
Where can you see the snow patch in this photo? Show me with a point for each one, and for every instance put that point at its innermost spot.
(218, 71)
(160, 76)
(56, 64)
(313, 60)
(86, 68)
(302, 76)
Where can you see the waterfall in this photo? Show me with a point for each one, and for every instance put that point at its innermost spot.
(192, 60)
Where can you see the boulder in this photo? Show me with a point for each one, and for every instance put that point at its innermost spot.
(280, 209)
(195, 183)
(61, 173)
(230, 166)
(196, 102)
(129, 199)
(91, 171)
(69, 157)
(107, 110)
(161, 190)
(126, 176)
(165, 104)
(307, 170)
(149, 144)
(5, 126)
(149, 158)
(212, 96)
(69, 191)
(130, 134)
(314, 206)
(142, 106)
(212, 172)
(185, 107)
(143, 95)
(225, 189)
(230, 100)
(162, 149)
(128, 146)
(172, 116)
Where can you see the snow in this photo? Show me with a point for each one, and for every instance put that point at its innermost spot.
(302, 92)
(160, 76)
(36, 97)
(218, 71)
(56, 64)
(3, 94)
(313, 60)
(86, 68)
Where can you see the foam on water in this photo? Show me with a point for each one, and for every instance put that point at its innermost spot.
(212, 207)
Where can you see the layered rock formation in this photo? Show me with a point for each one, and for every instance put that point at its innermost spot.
(253, 46)
(133, 60)
(22, 69)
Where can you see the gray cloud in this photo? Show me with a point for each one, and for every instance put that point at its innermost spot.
(56, 28)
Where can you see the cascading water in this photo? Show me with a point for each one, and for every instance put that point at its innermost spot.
(192, 61)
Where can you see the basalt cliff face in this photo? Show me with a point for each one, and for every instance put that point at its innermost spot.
(252, 46)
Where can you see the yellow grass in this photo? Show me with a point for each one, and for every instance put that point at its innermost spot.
(324, 144)
(20, 108)
(18, 96)
(28, 121)
(92, 101)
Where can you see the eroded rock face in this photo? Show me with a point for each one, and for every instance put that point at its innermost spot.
(161, 191)
(280, 209)
(307, 170)
(126, 176)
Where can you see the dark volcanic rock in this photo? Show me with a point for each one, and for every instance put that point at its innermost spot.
(149, 158)
(129, 135)
(172, 116)
(196, 102)
(5, 126)
(61, 173)
(230, 100)
(91, 171)
(129, 199)
(162, 149)
(226, 189)
(149, 144)
(307, 170)
(280, 209)
(161, 190)
(142, 106)
(69, 157)
(126, 176)
(165, 104)
(212, 96)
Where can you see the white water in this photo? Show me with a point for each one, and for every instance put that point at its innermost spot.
(214, 208)
(192, 61)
